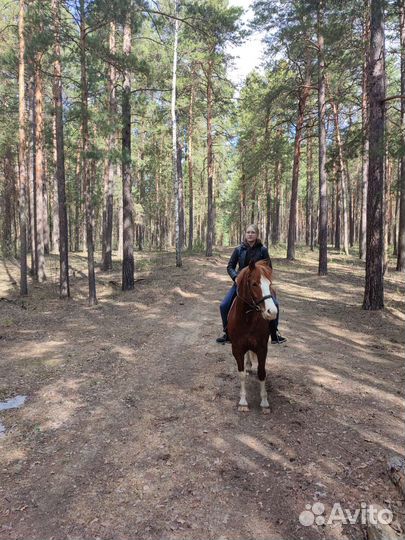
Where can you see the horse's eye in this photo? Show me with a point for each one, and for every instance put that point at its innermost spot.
(255, 284)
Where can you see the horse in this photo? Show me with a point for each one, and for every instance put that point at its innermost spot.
(248, 325)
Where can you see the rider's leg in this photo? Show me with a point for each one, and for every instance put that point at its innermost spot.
(275, 336)
(226, 306)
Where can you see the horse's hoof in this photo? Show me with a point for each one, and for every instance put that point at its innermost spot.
(266, 410)
(243, 408)
(249, 371)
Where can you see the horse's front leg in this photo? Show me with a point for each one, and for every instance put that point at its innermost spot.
(239, 356)
(261, 372)
(249, 356)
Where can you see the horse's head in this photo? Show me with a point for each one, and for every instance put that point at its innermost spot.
(254, 283)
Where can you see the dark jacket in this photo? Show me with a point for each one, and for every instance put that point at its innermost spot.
(243, 254)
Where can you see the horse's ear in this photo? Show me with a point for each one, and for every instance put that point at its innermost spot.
(252, 264)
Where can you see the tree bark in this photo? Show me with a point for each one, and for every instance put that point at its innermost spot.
(365, 129)
(33, 187)
(266, 180)
(22, 151)
(64, 288)
(176, 153)
(128, 263)
(401, 226)
(191, 164)
(106, 264)
(342, 177)
(396, 217)
(351, 206)
(87, 188)
(45, 203)
(374, 282)
(310, 199)
(292, 225)
(323, 197)
(275, 232)
(387, 196)
(39, 166)
(8, 201)
(210, 162)
(54, 201)
(78, 195)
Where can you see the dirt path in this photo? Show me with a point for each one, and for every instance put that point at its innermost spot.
(130, 428)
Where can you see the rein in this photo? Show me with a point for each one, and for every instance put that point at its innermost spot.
(253, 304)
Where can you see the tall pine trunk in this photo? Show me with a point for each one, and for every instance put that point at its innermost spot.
(54, 201)
(22, 151)
(78, 196)
(266, 180)
(342, 177)
(87, 188)
(8, 200)
(39, 167)
(275, 222)
(310, 185)
(210, 162)
(365, 133)
(109, 191)
(374, 282)
(191, 164)
(176, 154)
(292, 225)
(323, 197)
(64, 289)
(401, 226)
(128, 263)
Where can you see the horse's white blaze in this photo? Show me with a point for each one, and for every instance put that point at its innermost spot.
(263, 394)
(270, 309)
(242, 401)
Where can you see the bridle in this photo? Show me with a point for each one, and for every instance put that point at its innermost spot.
(253, 304)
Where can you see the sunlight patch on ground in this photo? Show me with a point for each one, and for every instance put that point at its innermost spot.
(125, 352)
(219, 277)
(396, 313)
(54, 405)
(8, 455)
(327, 380)
(242, 461)
(184, 294)
(187, 324)
(257, 446)
(381, 440)
(37, 351)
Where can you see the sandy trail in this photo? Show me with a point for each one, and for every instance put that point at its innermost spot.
(130, 428)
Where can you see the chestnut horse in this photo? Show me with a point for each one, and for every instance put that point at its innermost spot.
(248, 325)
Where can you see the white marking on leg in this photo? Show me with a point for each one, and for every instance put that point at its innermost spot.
(250, 356)
(242, 401)
(263, 394)
(270, 308)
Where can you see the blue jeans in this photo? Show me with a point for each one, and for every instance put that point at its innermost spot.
(226, 304)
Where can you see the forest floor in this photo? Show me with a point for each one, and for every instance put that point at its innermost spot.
(130, 428)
